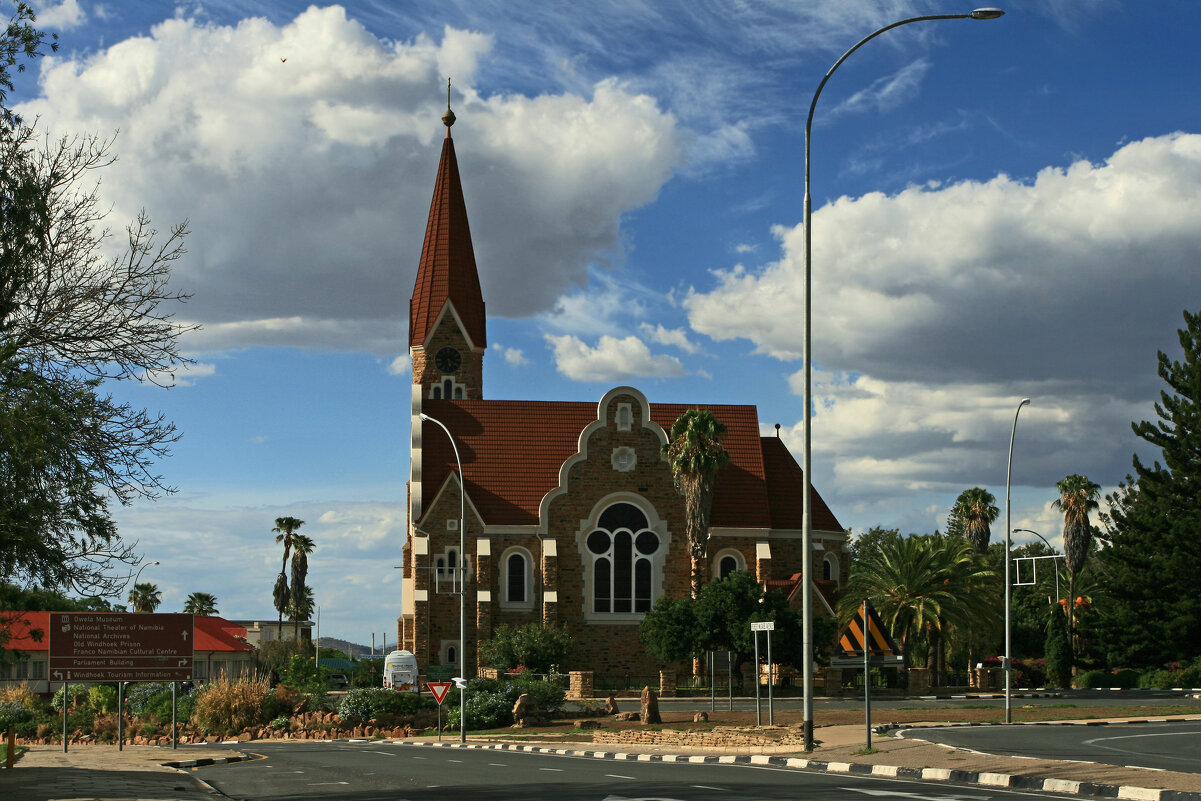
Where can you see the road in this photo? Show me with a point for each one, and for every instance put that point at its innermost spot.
(1160, 746)
(385, 771)
(1080, 698)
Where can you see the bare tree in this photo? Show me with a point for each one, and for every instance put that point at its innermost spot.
(71, 318)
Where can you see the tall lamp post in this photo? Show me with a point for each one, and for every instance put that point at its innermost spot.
(425, 418)
(1008, 578)
(807, 515)
(138, 575)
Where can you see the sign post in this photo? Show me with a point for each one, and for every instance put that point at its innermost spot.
(120, 647)
(768, 626)
(867, 643)
(439, 689)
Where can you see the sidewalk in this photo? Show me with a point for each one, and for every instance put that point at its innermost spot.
(136, 773)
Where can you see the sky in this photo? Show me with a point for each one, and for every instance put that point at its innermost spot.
(1003, 209)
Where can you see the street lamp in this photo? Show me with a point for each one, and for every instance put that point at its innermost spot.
(1008, 578)
(425, 418)
(1049, 545)
(807, 514)
(139, 573)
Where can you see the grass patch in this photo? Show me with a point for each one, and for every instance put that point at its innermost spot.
(866, 751)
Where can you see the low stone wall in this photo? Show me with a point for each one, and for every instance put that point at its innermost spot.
(718, 737)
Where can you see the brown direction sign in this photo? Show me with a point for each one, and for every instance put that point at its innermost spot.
(120, 646)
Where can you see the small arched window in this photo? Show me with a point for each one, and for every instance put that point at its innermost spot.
(515, 576)
(830, 567)
(726, 566)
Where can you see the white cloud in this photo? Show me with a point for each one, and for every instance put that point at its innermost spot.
(306, 181)
(937, 309)
(676, 337)
(612, 359)
(64, 16)
(513, 356)
(401, 365)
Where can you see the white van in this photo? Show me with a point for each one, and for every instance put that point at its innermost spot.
(400, 672)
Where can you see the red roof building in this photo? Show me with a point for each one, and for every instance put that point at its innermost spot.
(570, 513)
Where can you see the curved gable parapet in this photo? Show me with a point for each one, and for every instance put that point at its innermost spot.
(621, 408)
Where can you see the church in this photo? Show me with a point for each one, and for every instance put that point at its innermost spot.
(570, 513)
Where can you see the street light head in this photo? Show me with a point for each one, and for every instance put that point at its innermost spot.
(1025, 401)
(987, 13)
(422, 417)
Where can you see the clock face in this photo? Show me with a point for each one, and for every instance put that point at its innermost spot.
(447, 360)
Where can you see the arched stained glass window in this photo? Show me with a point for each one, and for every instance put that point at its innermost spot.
(622, 547)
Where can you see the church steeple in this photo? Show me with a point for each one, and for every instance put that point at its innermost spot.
(447, 331)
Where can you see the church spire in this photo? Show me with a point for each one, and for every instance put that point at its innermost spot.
(447, 269)
(447, 331)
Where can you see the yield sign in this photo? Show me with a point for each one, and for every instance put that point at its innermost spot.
(439, 689)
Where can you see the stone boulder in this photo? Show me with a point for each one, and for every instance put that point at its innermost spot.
(650, 707)
(611, 707)
(585, 723)
(527, 712)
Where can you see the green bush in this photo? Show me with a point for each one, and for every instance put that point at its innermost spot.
(147, 698)
(1125, 678)
(102, 698)
(78, 693)
(12, 714)
(490, 701)
(1157, 679)
(538, 647)
(1191, 675)
(1094, 678)
(363, 704)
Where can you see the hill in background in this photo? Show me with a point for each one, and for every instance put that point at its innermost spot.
(353, 650)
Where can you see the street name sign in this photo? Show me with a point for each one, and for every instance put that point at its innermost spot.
(121, 646)
(766, 625)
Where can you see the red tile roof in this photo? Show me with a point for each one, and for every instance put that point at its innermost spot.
(512, 452)
(211, 633)
(447, 268)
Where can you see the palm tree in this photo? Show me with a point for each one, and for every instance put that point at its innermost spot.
(1077, 497)
(696, 455)
(302, 546)
(201, 603)
(145, 597)
(923, 585)
(975, 509)
(285, 532)
(301, 607)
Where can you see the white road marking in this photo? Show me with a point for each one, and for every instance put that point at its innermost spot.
(618, 776)
(554, 770)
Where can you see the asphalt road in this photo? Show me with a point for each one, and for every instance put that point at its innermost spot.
(383, 771)
(1081, 698)
(1162, 746)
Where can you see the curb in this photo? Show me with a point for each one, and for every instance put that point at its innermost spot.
(885, 728)
(1001, 780)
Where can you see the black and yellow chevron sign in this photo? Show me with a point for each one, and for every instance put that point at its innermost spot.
(878, 641)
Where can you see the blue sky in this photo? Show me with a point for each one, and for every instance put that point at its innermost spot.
(1003, 209)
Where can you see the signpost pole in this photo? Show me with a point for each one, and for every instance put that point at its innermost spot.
(174, 713)
(712, 681)
(771, 716)
(730, 679)
(66, 701)
(758, 710)
(120, 716)
(867, 680)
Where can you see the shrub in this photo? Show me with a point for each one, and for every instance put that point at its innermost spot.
(229, 705)
(102, 698)
(1125, 678)
(145, 697)
(362, 704)
(21, 694)
(1058, 651)
(105, 728)
(77, 692)
(490, 701)
(536, 646)
(1157, 679)
(12, 714)
(1094, 678)
(1191, 675)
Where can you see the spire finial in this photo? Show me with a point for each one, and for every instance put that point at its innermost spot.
(448, 119)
